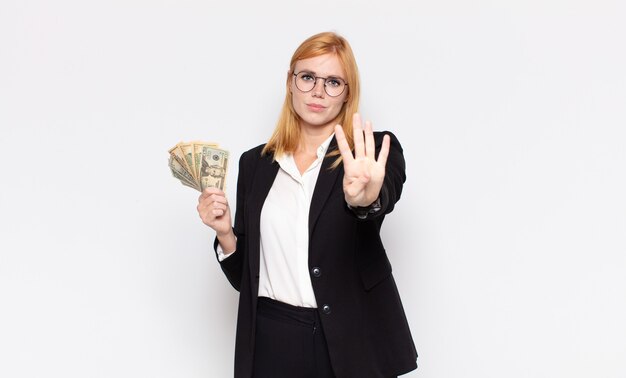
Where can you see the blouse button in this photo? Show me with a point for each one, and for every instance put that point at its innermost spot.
(326, 309)
(316, 272)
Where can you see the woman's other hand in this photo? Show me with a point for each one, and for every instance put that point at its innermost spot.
(363, 174)
(214, 211)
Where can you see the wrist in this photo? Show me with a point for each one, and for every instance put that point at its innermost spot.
(363, 212)
(227, 241)
(226, 238)
(362, 202)
(225, 234)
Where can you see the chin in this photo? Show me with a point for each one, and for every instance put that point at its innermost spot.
(317, 123)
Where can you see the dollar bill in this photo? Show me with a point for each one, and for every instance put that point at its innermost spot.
(196, 147)
(213, 170)
(199, 165)
(187, 150)
(180, 173)
(197, 157)
(177, 153)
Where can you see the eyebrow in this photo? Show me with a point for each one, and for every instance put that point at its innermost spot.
(315, 74)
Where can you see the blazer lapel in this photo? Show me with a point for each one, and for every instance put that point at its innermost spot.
(325, 183)
(262, 182)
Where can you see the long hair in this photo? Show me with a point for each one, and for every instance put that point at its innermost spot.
(286, 136)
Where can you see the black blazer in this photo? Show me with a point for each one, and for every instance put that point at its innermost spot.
(362, 315)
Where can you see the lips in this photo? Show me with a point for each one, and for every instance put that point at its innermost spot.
(315, 107)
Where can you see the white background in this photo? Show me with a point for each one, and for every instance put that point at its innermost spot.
(508, 245)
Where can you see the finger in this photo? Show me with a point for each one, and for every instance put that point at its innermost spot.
(219, 205)
(208, 191)
(384, 151)
(370, 149)
(217, 198)
(342, 143)
(212, 198)
(218, 212)
(357, 131)
(206, 214)
(204, 203)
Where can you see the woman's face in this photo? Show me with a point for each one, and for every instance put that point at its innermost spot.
(316, 108)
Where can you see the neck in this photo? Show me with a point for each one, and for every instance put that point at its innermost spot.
(311, 139)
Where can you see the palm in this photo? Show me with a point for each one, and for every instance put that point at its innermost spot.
(363, 174)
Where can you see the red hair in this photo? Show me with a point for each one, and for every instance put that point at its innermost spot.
(286, 136)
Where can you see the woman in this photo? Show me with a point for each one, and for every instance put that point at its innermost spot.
(317, 298)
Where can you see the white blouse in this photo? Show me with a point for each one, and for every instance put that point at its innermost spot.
(284, 260)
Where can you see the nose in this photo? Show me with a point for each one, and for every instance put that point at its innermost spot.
(318, 89)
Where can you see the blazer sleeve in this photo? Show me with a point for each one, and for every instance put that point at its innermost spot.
(232, 266)
(395, 177)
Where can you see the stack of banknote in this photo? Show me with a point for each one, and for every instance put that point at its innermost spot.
(199, 165)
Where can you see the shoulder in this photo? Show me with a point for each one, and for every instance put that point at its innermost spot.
(253, 156)
(253, 153)
(378, 139)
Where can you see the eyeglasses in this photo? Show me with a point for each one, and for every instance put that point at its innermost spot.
(333, 86)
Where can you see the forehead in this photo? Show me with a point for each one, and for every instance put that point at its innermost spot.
(323, 65)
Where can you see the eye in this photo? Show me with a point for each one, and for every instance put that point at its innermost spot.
(305, 76)
(334, 82)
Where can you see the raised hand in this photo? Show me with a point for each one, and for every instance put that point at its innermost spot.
(363, 174)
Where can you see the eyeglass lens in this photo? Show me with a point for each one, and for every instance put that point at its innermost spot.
(334, 86)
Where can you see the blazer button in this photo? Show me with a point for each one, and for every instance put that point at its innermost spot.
(316, 272)
(326, 309)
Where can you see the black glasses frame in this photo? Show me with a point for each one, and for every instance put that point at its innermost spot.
(315, 78)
